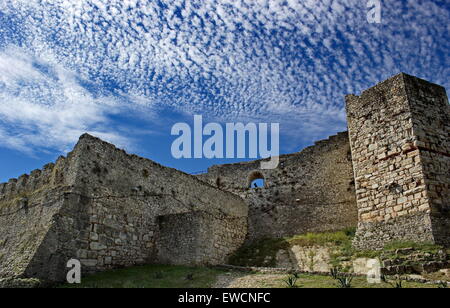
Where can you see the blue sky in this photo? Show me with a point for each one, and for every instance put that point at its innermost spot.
(127, 70)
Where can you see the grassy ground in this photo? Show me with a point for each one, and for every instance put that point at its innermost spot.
(156, 276)
(263, 253)
(152, 276)
(437, 277)
(326, 282)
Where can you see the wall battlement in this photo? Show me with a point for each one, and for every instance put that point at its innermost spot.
(35, 180)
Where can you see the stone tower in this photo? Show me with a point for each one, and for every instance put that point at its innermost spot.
(400, 140)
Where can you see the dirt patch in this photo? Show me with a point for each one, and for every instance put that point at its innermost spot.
(242, 280)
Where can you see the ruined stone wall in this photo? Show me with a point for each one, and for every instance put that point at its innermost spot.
(198, 234)
(110, 209)
(399, 137)
(29, 207)
(133, 198)
(310, 191)
(107, 209)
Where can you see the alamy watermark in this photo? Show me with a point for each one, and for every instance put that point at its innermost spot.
(191, 144)
(74, 274)
(374, 13)
(374, 271)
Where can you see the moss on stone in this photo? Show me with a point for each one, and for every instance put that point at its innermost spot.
(15, 198)
(264, 253)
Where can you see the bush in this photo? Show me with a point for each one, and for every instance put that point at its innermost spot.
(396, 281)
(344, 279)
(263, 253)
(291, 281)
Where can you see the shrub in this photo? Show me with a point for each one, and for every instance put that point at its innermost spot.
(396, 282)
(320, 239)
(158, 275)
(344, 279)
(145, 173)
(291, 281)
(190, 277)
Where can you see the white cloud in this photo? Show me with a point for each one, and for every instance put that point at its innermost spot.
(48, 109)
(291, 61)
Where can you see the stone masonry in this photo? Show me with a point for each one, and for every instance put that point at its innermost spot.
(389, 175)
(109, 209)
(399, 134)
(310, 191)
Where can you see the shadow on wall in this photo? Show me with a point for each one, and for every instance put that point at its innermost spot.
(177, 238)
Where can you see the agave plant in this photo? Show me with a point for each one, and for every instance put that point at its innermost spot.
(335, 272)
(291, 281)
(158, 275)
(344, 279)
(396, 282)
(190, 277)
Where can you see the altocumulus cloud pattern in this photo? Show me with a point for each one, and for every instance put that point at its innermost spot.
(67, 67)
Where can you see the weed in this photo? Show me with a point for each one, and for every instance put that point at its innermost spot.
(344, 279)
(190, 277)
(291, 281)
(397, 282)
(158, 275)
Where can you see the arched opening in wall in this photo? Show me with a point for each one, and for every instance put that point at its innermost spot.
(256, 180)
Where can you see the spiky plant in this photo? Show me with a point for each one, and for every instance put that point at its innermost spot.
(344, 279)
(335, 272)
(396, 282)
(291, 281)
(345, 282)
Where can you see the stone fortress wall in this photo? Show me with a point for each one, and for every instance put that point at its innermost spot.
(310, 191)
(400, 139)
(398, 153)
(390, 176)
(28, 207)
(109, 209)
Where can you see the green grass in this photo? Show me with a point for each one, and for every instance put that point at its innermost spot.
(263, 253)
(326, 282)
(260, 254)
(321, 239)
(439, 276)
(159, 276)
(390, 250)
(309, 281)
(424, 247)
(151, 276)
